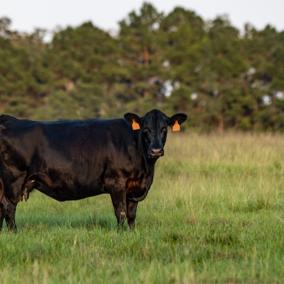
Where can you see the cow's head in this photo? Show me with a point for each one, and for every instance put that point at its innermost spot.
(154, 127)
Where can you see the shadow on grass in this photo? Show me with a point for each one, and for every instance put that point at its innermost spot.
(85, 222)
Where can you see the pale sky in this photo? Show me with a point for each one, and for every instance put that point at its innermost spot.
(29, 14)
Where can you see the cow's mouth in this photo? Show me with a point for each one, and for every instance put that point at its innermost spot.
(155, 153)
(154, 157)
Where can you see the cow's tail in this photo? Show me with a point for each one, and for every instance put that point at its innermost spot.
(1, 189)
(4, 118)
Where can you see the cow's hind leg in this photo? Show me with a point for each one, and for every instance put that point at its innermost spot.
(10, 212)
(9, 203)
(131, 213)
(1, 217)
(1, 206)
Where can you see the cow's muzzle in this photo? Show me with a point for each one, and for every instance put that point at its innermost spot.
(156, 153)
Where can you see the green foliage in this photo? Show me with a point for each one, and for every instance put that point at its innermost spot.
(174, 62)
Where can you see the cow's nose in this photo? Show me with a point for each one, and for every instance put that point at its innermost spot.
(156, 152)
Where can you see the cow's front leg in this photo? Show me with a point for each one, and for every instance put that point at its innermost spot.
(131, 213)
(119, 203)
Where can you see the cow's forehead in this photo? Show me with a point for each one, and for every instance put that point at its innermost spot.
(155, 119)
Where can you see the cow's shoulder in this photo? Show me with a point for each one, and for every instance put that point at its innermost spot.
(119, 124)
(119, 129)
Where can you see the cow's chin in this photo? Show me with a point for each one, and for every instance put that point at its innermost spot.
(155, 157)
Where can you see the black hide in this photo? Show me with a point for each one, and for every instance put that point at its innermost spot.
(70, 160)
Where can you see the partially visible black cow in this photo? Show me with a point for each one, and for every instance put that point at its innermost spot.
(70, 160)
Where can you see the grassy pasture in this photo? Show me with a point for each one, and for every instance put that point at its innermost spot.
(213, 215)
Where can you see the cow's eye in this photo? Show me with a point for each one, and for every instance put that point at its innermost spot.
(146, 129)
(164, 129)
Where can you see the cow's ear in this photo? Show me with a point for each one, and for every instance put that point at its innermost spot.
(176, 120)
(134, 120)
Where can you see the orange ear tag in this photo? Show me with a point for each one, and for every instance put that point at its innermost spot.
(135, 125)
(176, 127)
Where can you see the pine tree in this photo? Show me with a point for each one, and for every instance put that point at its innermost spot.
(142, 43)
(21, 76)
(225, 68)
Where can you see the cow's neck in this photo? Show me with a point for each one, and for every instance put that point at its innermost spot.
(149, 163)
(148, 167)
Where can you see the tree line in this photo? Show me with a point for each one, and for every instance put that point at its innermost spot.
(220, 77)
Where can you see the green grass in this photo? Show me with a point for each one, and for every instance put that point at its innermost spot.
(213, 215)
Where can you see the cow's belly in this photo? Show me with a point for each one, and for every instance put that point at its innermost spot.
(63, 190)
(64, 194)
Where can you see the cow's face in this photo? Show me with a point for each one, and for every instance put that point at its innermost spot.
(154, 127)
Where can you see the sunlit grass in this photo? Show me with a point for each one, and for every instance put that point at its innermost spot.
(213, 215)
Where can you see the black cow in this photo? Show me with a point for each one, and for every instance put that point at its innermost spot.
(70, 160)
